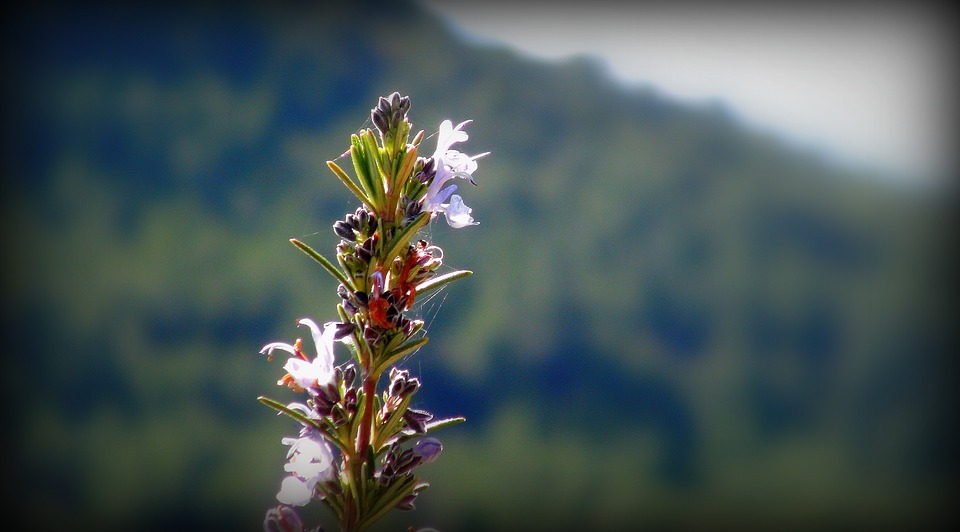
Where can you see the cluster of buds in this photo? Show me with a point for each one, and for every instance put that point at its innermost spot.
(358, 449)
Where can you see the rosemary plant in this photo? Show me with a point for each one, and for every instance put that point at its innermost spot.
(359, 444)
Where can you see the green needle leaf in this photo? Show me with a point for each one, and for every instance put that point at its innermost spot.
(399, 353)
(404, 236)
(390, 498)
(334, 271)
(349, 183)
(440, 280)
(407, 434)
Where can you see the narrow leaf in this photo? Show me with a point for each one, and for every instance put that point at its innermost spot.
(404, 236)
(334, 271)
(445, 422)
(374, 166)
(407, 434)
(284, 409)
(359, 158)
(389, 499)
(440, 280)
(349, 183)
(400, 352)
(405, 168)
(388, 428)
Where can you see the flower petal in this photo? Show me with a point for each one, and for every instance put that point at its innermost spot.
(448, 136)
(457, 213)
(270, 348)
(306, 374)
(309, 458)
(295, 492)
(323, 341)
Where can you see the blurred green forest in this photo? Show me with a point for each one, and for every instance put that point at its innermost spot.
(675, 320)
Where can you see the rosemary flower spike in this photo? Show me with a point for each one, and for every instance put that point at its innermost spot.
(359, 446)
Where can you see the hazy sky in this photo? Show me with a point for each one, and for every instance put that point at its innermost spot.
(868, 84)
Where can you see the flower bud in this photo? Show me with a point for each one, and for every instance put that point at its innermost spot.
(406, 504)
(411, 387)
(417, 420)
(343, 330)
(282, 519)
(428, 449)
(343, 230)
(349, 374)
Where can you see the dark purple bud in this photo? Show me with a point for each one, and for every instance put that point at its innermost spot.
(349, 309)
(364, 253)
(391, 458)
(411, 387)
(414, 209)
(282, 519)
(350, 398)
(343, 230)
(387, 473)
(396, 387)
(416, 420)
(428, 449)
(407, 461)
(343, 330)
(370, 334)
(379, 120)
(363, 217)
(330, 392)
(322, 406)
(398, 375)
(429, 165)
(349, 374)
(406, 504)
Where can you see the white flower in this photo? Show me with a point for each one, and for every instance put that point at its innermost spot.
(457, 213)
(295, 492)
(310, 461)
(450, 164)
(309, 457)
(303, 372)
(448, 136)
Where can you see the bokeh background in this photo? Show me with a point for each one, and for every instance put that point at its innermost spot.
(676, 320)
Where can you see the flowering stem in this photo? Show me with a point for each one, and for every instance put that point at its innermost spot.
(369, 398)
(382, 269)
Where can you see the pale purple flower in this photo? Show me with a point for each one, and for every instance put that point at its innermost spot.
(428, 449)
(450, 164)
(303, 372)
(310, 461)
(457, 213)
(294, 491)
(448, 136)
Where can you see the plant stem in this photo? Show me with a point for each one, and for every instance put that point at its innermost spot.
(354, 519)
(366, 422)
